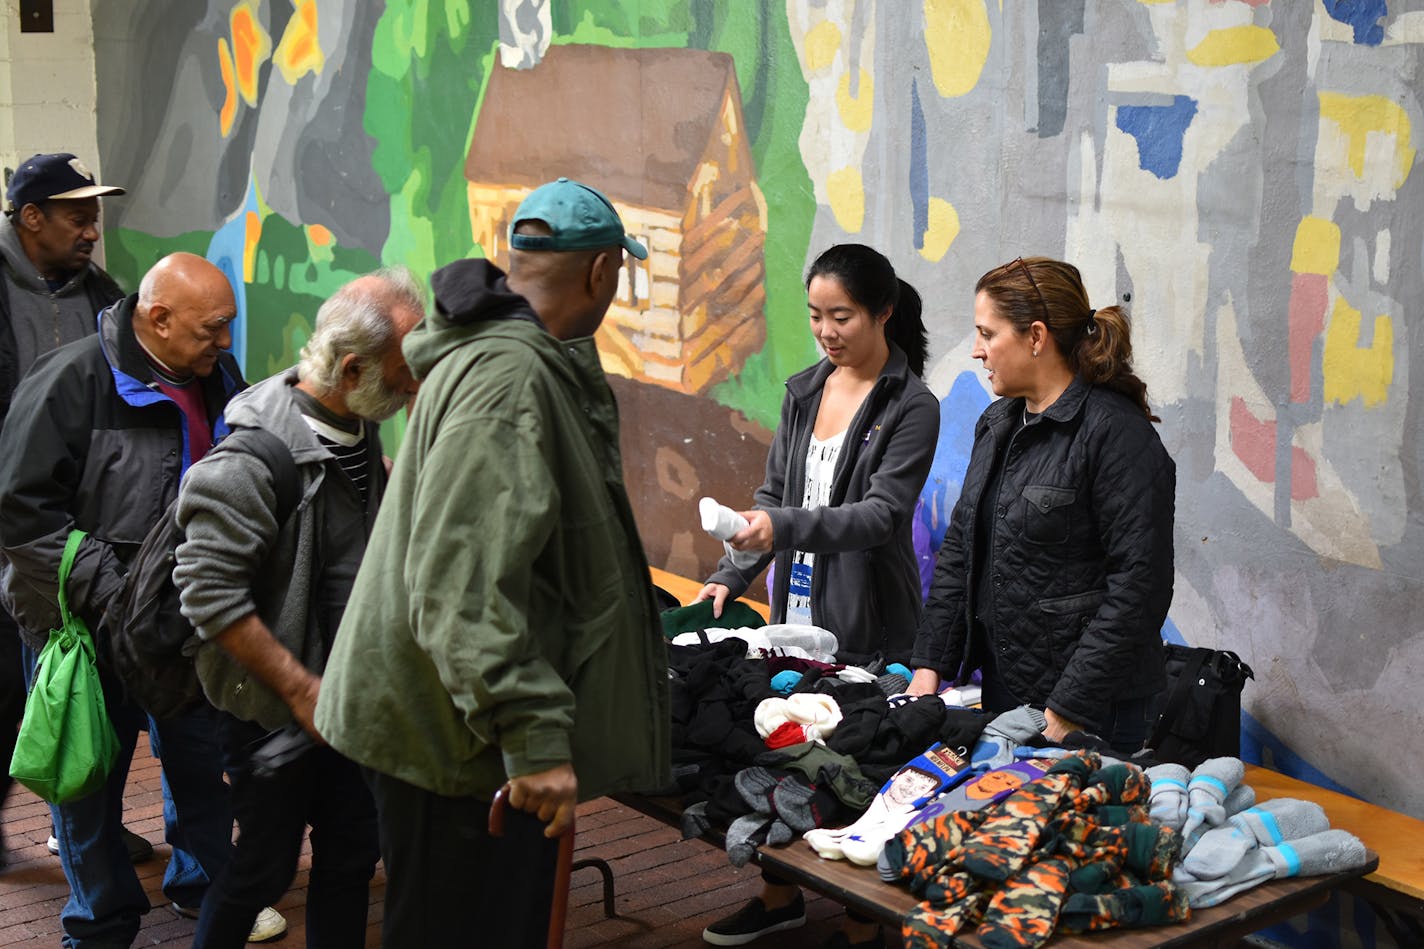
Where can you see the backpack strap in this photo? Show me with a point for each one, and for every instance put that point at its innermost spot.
(275, 454)
(1180, 691)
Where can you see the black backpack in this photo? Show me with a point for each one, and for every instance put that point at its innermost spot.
(151, 644)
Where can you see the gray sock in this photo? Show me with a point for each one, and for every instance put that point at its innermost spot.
(744, 836)
(779, 835)
(1242, 797)
(694, 820)
(1266, 825)
(892, 683)
(1212, 782)
(792, 802)
(1329, 851)
(1168, 803)
(755, 785)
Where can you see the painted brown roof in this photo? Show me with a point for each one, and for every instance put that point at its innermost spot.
(632, 122)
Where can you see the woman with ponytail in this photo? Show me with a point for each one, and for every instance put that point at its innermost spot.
(850, 456)
(1056, 573)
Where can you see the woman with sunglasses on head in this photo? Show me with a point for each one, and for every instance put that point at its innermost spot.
(850, 456)
(1056, 573)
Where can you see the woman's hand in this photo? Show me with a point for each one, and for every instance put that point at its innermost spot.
(757, 535)
(923, 682)
(717, 593)
(1058, 726)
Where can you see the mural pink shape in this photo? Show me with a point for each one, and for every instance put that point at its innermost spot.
(1310, 294)
(1254, 442)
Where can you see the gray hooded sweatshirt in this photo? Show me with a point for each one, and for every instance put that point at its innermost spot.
(42, 319)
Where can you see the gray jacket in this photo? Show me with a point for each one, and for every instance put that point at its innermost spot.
(35, 319)
(237, 559)
(866, 586)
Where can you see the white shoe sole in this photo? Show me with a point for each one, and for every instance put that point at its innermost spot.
(741, 939)
(269, 925)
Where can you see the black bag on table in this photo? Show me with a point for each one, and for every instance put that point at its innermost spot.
(1201, 712)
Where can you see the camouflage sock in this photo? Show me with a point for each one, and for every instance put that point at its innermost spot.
(1150, 904)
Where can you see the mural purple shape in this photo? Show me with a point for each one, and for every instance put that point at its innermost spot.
(1158, 130)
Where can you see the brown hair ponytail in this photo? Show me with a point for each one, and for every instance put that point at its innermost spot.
(1096, 343)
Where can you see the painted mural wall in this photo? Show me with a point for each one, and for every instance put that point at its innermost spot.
(1243, 175)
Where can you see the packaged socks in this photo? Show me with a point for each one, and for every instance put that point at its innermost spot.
(908, 790)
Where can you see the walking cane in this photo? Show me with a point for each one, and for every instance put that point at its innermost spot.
(559, 911)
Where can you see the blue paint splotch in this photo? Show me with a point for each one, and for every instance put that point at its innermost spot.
(1362, 16)
(226, 250)
(919, 170)
(958, 412)
(1159, 130)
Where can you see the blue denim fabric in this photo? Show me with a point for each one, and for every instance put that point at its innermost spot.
(105, 897)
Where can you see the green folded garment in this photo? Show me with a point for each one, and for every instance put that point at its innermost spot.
(698, 616)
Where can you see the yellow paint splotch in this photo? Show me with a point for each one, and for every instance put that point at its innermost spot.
(856, 108)
(1351, 371)
(1360, 118)
(957, 37)
(1233, 45)
(822, 41)
(299, 51)
(251, 234)
(1317, 246)
(943, 228)
(251, 45)
(227, 112)
(846, 192)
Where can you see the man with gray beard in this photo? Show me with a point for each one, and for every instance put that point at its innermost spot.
(266, 599)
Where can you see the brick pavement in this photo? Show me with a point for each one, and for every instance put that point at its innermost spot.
(667, 889)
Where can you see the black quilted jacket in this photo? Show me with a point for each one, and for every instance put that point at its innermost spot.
(1080, 560)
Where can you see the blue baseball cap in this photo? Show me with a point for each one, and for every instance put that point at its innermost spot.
(56, 177)
(579, 218)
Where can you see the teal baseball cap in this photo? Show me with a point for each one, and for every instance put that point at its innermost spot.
(579, 218)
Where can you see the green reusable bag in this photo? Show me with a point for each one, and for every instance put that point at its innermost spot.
(67, 744)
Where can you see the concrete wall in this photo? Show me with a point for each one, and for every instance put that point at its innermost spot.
(47, 87)
(1243, 174)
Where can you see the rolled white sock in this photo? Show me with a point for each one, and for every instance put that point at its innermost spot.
(719, 520)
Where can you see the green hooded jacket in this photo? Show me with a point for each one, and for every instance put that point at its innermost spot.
(503, 621)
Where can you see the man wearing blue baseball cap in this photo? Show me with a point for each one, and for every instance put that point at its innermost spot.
(502, 631)
(50, 294)
(51, 290)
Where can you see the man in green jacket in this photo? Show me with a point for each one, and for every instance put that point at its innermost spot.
(502, 629)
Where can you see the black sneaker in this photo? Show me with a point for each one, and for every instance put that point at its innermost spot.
(755, 920)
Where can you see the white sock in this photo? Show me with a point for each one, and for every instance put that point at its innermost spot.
(723, 523)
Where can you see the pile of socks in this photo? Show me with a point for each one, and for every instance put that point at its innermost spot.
(800, 717)
(1230, 846)
(1004, 734)
(801, 788)
(907, 791)
(1072, 850)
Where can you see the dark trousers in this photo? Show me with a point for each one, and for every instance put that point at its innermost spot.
(12, 702)
(321, 789)
(449, 883)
